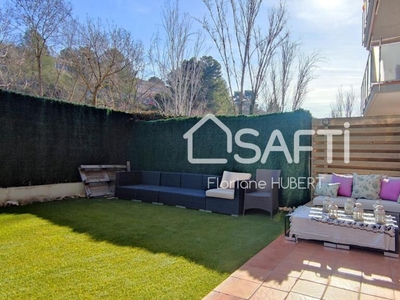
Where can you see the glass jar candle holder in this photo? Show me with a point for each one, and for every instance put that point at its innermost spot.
(349, 206)
(377, 202)
(325, 205)
(358, 212)
(333, 211)
(380, 215)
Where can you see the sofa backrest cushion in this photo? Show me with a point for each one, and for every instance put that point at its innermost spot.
(170, 179)
(366, 186)
(151, 177)
(191, 181)
(390, 189)
(325, 178)
(327, 189)
(346, 182)
(210, 181)
(229, 179)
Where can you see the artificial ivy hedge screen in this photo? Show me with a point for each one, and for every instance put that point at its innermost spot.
(159, 145)
(44, 141)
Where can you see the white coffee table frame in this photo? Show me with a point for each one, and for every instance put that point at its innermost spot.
(303, 227)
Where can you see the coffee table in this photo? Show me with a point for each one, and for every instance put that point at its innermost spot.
(312, 223)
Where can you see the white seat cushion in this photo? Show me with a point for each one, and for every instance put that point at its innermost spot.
(221, 193)
(340, 201)
(388, 205)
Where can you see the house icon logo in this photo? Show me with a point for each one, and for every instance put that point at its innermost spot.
(189, 137)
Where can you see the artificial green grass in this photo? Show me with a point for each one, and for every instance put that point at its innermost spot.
(117, 249)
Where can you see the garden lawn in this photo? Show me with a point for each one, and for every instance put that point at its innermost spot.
(118, 249)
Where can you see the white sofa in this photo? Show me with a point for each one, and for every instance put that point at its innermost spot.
(389, 205)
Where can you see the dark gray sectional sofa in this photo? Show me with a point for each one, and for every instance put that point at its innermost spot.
(179, 189)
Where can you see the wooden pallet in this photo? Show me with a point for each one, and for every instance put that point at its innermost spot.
(99, 180)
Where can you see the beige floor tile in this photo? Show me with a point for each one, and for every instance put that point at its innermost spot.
(384, 290)
(334, 293)
(308, 288)
(316, 276)
(289, 269)
(346, 270)
(295, 296)
(280, 282)
(220, 296)
(299, 259)
(378, 274)
(251, 273)
(266, 263)
(307, 270)
(369, 297)
(237, 287)
(264, 293)
(321, 264)
(227, 297)
(351, 283)
(211, 296)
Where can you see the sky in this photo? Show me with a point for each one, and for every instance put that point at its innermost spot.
(332, 27)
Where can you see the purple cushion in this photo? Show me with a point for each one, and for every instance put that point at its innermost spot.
(346, 181)
(390, 189)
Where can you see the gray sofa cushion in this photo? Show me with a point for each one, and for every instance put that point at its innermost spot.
(150, 178)
(191, 181)
(144, 187)
(170, 179)
(190, 198)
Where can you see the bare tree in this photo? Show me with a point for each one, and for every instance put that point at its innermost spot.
(102, 50)
(337, 106)
(281, 94)
(305, 74)
(5, 27)
(15, 71)
(244, 14)
(176, 60)
(345, 103)
(40, 20)
(281, 76)
(265, 49)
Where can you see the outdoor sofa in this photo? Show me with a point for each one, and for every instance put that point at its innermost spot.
(365, 189)
(198, 191)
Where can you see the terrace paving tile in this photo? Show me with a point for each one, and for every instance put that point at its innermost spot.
(264, 293)
(280, 282)
(250, 273)
(308, 270)
(334, 293)
(238, 287)
(351, 283)
(309, 288)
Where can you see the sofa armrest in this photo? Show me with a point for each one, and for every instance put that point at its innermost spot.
(241, 187)
(124, 178)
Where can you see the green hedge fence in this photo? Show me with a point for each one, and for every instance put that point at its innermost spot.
(44, 141)
(159, 145)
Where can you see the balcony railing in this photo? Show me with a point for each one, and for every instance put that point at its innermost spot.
(383, 66)
(366, 20)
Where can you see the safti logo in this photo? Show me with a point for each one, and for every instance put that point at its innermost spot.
(276, 134)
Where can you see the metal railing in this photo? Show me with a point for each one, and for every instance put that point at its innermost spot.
(364, 19)
(383, 66)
